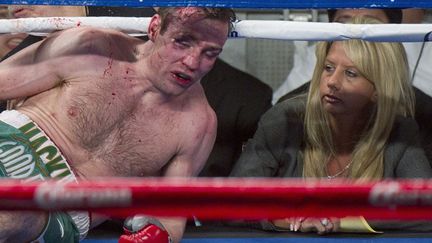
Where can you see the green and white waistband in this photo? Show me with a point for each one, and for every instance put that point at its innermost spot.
(27, 153)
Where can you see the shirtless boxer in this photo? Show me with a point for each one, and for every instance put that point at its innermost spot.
(112, 105)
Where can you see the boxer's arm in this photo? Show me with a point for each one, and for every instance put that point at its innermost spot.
(46, 64)
(189, 162)
(20, 76)
(194, 146)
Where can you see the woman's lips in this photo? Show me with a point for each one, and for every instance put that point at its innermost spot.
(332, 99)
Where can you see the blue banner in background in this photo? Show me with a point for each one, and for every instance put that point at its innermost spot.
(293, 4)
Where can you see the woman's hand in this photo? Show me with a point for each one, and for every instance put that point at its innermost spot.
(319, 225)
(288, 223)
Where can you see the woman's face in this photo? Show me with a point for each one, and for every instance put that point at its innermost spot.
(343, 90)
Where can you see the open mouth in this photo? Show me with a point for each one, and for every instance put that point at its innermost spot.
(182, 78)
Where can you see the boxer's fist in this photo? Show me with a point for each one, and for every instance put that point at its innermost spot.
(144, 229)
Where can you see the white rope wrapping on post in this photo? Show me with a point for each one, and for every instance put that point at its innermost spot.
(262, 29)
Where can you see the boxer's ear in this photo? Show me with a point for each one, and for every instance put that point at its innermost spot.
(154, 27)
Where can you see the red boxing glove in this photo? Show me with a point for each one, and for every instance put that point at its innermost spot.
(144, 229)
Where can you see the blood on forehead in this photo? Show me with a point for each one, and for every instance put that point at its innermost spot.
(184, 16)
(189, 14)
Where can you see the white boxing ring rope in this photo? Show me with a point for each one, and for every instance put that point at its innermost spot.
(262, 29)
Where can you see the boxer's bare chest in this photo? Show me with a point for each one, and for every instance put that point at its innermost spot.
(142, 144)
(129, 134)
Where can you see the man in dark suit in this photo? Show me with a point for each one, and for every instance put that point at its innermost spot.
(239, 100)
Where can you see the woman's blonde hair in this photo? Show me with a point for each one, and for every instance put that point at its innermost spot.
(385, 65)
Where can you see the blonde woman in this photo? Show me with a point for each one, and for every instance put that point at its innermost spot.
(355, 122)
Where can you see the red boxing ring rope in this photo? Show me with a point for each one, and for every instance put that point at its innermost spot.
(232, 198)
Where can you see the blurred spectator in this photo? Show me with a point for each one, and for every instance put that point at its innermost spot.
(413, 15)
(30, 11)
(419, 57)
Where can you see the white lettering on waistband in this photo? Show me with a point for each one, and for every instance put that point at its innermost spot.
(16, 163)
